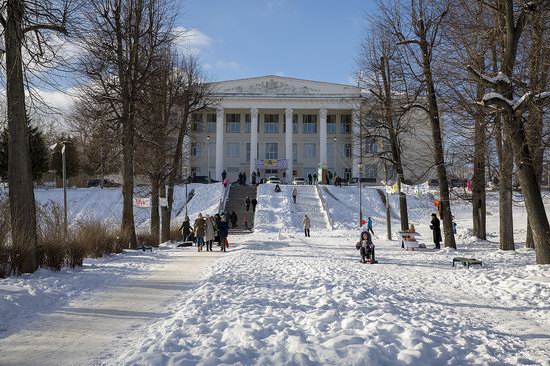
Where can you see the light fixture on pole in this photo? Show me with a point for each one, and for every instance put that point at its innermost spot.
(64, 174)
(360, 198)
(334, 156)
(208, 156)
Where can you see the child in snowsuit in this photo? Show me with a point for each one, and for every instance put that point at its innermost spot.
(366, 248)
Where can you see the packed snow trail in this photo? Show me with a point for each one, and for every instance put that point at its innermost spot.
(105, 320)
(308, 203)
(285, 299)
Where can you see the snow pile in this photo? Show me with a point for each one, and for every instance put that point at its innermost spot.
(106, 204)
(294, 300)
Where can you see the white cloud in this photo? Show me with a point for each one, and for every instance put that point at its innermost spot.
(281, 73)
(191, 40)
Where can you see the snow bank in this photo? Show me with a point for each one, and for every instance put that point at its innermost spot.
(106, 204)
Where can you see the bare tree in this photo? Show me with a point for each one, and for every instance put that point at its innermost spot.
(418, 27)
(26, 27)
(121, 42)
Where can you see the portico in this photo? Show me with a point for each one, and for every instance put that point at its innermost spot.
(285, 120)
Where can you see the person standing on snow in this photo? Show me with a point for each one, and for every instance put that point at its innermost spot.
(369, 225)
(294, 194)
(223, 231)
(224, 175)
(185, 228)
(436, 228)
(244, 178)
(199, 228)
(315, 178)
(307, 225)
(310, 178)
(234, 219)
(247, 203)
(254, 203)
(209, 233)
(253, 177)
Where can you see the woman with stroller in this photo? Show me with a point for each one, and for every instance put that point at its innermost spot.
(366, 248)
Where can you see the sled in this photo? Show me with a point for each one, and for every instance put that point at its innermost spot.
(185, 244)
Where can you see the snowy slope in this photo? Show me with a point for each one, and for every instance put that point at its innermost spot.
(106, 204)
(276, 212)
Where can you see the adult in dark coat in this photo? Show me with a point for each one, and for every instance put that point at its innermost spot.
(310, 178)
(234, 219)
(224, 175)
(185, 228)
(247, 203)
(244, 178)
(254, 203)
(223, 232)
(436, 228)
(254, 178)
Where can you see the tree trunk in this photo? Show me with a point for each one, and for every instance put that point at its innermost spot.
(155, 219)
(505, 187)
(446, 215)
(478, 182)
(21, 194)
(165, 214)
(128, 226)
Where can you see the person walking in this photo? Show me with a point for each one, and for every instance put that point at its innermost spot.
(244, 178)
(315, 178)
(310, 178)
(241, 179)
(233, 219)
(185, 228)
(254, 203)
(198, 229)
(247, 203)
(223, 232)
(294, 194)
(224, 175)
(245, 223)
(369, 225)
(307, 225)
(253, 178)
(209, 233)
(436, 228)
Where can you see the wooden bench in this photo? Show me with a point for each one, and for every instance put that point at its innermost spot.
(145, 248)
(467, 261)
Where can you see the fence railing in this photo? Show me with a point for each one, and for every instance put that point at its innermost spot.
(324, 205)
(223, 199)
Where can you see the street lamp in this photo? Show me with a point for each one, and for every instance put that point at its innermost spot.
(64, 170)
(360, 198)
(334, 155)
(208, 156)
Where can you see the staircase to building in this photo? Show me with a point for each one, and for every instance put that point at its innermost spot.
(235, 202)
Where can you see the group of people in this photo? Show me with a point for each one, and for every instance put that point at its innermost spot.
(242, 178)
(206, 231)
(248, 202)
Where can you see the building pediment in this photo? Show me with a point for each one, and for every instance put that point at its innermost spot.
(272, 86)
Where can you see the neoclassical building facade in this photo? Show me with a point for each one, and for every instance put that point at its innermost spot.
(281, 126)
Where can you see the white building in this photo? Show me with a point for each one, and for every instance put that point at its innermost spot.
(278, 125)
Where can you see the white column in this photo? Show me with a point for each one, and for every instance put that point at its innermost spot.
(288, 144)
(253, 140)
(219, 143)
(355, 143)
(323, 137)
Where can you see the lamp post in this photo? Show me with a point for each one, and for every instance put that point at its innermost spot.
(334, 155)
(208, 156)
(360, 198)
(64, 174)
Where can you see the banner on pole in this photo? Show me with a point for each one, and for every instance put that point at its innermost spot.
(142, 202)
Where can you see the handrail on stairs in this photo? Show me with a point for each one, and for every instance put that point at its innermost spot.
(223, 199)
(324, 205)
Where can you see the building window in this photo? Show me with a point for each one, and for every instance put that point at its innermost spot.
(309, 150)
(271, 150)
(233, 123)
(295, 124)
(233, 149)
(310, 123)
(212, 150)
(195, 149)
(371, 171)
(331, 123)
(371, 146)
(211, 122)
(295, 152)
(370, 121)
(196, 122)
(345, 123)
(194, 171)
(248, 152)
(330, 155)
(271, 123)
(247, 123)
(347, 150)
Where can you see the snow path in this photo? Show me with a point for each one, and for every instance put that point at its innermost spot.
(285, 299)
(91, 327)
(308, 203)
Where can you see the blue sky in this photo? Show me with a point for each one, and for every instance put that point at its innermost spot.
(309, 39)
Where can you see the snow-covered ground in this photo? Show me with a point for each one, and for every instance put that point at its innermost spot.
(106, 204)
(280, 298)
